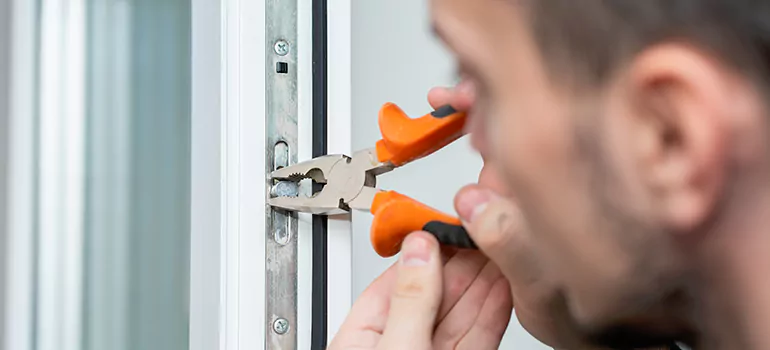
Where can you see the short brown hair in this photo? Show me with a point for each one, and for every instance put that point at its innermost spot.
(589, 40)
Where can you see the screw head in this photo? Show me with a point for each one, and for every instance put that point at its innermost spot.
(285, 189)
(281, 326)
(281, 47)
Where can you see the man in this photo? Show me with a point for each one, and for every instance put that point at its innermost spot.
(628, 145)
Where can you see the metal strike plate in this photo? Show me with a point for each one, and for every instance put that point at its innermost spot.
(281, 129)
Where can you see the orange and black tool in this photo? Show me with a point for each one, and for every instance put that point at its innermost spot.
(350, 182)
(405, 139)
(396, 216)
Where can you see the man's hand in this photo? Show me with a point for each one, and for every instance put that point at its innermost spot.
(458, 301)
(430, 299)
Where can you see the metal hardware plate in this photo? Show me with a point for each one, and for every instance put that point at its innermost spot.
(281, 127)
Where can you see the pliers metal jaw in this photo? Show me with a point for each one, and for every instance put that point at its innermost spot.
(349, 182)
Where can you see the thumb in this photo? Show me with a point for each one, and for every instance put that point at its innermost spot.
(417, 296)
(494, 223)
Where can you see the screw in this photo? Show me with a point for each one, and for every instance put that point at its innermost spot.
(281, 326)
(285, 189)
(281, 47)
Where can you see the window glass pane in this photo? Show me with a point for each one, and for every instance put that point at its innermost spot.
(138, 161)
(99, 174)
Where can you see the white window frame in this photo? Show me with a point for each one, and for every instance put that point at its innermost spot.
(56, 269)
(227, 295)
(340, 141)
(5, 70)
(19, 261)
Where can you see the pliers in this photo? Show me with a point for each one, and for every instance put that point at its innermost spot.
(349, 182)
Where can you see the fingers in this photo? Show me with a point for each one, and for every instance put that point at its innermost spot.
(461, 97)
(495, 224)
(447, 252)
(417, 295)
(459, 273)
(439, 96)
(371, 308)
(365, 323)
(488, 330)
(464, 96)
(466, 313)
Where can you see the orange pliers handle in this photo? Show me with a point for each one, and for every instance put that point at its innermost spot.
(396, 216)
(405, 139)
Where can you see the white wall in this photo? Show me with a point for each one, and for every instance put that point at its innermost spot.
(396, 59)
(5, 44)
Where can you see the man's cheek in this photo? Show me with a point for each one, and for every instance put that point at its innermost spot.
(510, 157)
(491, 179)
(496, 142)
(476, 128)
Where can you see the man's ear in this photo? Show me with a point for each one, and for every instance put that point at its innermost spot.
(681, 99)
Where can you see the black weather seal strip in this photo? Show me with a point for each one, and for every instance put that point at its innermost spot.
(320, 126)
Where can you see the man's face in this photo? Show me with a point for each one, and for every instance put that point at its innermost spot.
(561, 158)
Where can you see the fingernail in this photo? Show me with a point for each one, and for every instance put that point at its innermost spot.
(471, 203)
(415, 251)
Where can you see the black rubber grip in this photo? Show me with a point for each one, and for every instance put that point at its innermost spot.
(450, 235)
(444, 112)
